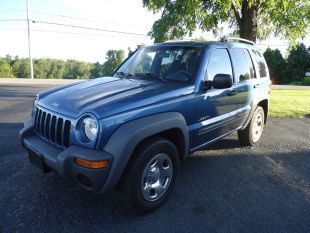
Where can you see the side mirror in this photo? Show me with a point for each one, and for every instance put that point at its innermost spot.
(222, 81)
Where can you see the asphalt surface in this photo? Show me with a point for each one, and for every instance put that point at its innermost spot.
(224, 188)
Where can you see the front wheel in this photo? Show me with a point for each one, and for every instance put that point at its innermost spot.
(252, 133)
(151, 174)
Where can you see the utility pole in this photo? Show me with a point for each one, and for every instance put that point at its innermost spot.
(29, 42)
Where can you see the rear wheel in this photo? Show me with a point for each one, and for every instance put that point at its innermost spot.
(150, 177)
(252, 133)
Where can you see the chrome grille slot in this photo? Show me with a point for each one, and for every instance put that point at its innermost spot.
(43, 123)
(47, 126)
(59, 131)
(39, 121)
(52, 128)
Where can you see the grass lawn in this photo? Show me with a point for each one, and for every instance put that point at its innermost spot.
(290, 103)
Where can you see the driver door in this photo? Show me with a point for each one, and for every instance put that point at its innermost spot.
(216, 108)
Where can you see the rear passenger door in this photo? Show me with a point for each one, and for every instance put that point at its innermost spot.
(246, 82)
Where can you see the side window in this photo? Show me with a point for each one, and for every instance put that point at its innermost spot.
(242, 69)
(250, 62)
(219, 63)
(260, 63)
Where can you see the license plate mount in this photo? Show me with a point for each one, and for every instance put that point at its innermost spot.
(37, 160)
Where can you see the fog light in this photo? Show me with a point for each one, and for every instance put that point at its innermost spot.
(90, 164)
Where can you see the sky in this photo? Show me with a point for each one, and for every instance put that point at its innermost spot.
(61, 42)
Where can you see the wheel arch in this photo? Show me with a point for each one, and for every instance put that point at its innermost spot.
(264, 103)
(130, 135)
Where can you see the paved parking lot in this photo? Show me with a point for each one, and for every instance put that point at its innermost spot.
(224, 188)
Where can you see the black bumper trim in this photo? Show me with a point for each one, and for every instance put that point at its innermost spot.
(62, 160)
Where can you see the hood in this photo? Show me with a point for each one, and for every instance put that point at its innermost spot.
(107, 96)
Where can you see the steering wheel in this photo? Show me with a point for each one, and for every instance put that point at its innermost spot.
(185, 74)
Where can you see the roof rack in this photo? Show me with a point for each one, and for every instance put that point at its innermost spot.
(172, 41)
(226, 39)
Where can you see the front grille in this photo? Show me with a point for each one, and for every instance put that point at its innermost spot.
(53, 128)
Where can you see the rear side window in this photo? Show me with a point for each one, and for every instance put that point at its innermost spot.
(250, 63)
(241, 65)
(219, 63)
(259, 59)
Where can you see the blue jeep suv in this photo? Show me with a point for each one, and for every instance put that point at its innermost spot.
(163, 103)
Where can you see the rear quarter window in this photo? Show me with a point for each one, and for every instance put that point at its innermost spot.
(250, 62)
(260, 61)
(241, 65)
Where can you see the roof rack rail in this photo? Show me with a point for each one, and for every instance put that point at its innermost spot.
(172, 41)
(226, 39)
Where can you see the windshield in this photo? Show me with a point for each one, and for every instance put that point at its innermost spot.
(165, 63)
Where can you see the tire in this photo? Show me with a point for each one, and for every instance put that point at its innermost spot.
(150, 175)
(251, 134)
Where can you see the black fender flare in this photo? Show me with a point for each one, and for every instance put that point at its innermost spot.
(125, 139)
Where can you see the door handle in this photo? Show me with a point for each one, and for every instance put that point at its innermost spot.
(231, 93)
(256, 85)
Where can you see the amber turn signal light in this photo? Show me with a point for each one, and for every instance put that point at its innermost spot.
(90, 164)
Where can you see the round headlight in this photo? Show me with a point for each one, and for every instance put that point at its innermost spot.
(90, 128)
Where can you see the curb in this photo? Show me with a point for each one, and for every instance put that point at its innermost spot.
(289, 87)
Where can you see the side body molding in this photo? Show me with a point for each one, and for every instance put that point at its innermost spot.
(124, 140)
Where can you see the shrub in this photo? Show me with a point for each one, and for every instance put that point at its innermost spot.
(306, 81)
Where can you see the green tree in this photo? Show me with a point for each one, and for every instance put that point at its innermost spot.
(96, 70)
(56, 69)
(41, 68)
(5, 69)
(9, 60)
(298, 62)
(251, 19)
(308, 63)
(276, 65)
(132, 51)
(113, 59)
(77, 70)
(21, 68)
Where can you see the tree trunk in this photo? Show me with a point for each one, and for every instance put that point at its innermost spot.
(248, 22)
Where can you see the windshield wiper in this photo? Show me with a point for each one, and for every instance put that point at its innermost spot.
(124, 74)
(149, 75)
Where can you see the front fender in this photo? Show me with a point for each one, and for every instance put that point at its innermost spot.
(125, 139)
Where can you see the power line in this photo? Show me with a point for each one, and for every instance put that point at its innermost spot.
(88, 34)
(77, 26)
(10, 11)
(12, 19)
(72, 33)
(83, 19)
(75, 18)
(87, 28)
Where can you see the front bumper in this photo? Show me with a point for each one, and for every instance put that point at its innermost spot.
(62, 160)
